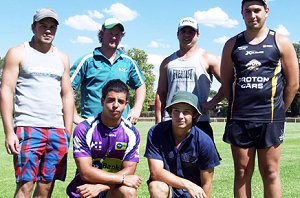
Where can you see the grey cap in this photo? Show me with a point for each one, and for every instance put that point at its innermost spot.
(184, 97)
(45, 13)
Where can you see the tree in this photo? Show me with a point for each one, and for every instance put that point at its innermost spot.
(141, 58)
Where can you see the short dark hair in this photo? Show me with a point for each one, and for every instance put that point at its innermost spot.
(115, 85)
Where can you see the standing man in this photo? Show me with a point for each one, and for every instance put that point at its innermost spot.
(254, 65)
(92, 71)
(36, 90)
(181, 157)
(188, 69)
(106, 149)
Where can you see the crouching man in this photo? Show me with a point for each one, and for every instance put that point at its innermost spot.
(106, 149)
(181, 157)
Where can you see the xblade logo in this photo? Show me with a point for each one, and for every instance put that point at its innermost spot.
(253, 52)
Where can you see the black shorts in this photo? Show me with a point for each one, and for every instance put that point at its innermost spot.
(254, 134)
(206, 127)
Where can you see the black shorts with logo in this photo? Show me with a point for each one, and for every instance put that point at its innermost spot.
(247, 134)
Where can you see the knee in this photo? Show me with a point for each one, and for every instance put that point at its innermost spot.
(158, 189)
(126, 191)
(24, 188)
(270, 174)
(243, 172)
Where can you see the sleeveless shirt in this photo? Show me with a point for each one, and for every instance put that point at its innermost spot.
(38, 100)
(188, 75)
(257, 89)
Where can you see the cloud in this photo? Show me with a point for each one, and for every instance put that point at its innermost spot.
(82, 40)
(121, 12)
(157, 44)
(215, 17)
(83, 22)
(95, 14)
(221, 40)
(282, 30)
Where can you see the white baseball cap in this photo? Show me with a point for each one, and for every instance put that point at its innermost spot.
(45, 13)
(112, 22)
(188, 22)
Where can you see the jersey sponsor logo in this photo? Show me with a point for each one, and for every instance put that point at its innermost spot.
(253, 65)
(182, 74)
(110, 135)
(267, 46)
(122, 69)
(120, 146)
(112, 165)
(253, 82)
(96, 145)
(249, 53)
(241, 48)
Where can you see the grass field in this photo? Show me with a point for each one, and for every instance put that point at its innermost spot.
(223, 178)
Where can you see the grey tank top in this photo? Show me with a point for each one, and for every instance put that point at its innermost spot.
(38, 100)
(188, 75)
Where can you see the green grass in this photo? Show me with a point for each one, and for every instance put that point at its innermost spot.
(223, 178)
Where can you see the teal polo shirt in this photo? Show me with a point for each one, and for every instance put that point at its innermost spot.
(92, 71)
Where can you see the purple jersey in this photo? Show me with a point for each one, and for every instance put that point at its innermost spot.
(108, 147)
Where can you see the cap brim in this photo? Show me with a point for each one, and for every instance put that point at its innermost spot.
(113, 25)
(168, 108)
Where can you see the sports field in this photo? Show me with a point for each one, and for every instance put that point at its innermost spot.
(223, 178)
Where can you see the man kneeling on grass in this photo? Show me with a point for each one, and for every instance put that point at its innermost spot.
(181, 157)
(106, 150)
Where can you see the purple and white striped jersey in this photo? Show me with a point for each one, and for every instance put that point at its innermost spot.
(108, 147)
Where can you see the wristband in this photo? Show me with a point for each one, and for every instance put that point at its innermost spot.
(123, 179)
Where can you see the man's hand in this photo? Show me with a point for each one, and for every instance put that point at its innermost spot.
(133, 181)
(195, 191)
(91, 190)
(134, 115)
(12, 143)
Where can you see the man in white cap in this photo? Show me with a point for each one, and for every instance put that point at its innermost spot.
(188, 69)
(181, 157)
(91, 72)
(36, 95)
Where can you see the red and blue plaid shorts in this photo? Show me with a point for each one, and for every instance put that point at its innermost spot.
(43, 154)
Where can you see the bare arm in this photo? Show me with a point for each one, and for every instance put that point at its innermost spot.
(227, 68)
(67, 94)
(206, 181)
(158, 173)
(98, 176)
(213, 67)
(135, 112)
(162, 91)
(77, 118)
(290, 69)
(12, 63)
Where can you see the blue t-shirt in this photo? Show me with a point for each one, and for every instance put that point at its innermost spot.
(92, 71)
(197, 151)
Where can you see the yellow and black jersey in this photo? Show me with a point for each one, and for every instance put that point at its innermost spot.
(257, 87)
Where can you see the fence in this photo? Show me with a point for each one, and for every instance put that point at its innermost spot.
(217, 119)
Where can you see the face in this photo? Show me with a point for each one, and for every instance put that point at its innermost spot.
(182, 115)
(187, 36)
(45, 30)
(114, 105)
(254, 14)
(111, 37)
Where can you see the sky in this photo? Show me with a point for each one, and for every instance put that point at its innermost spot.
(150, 25)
